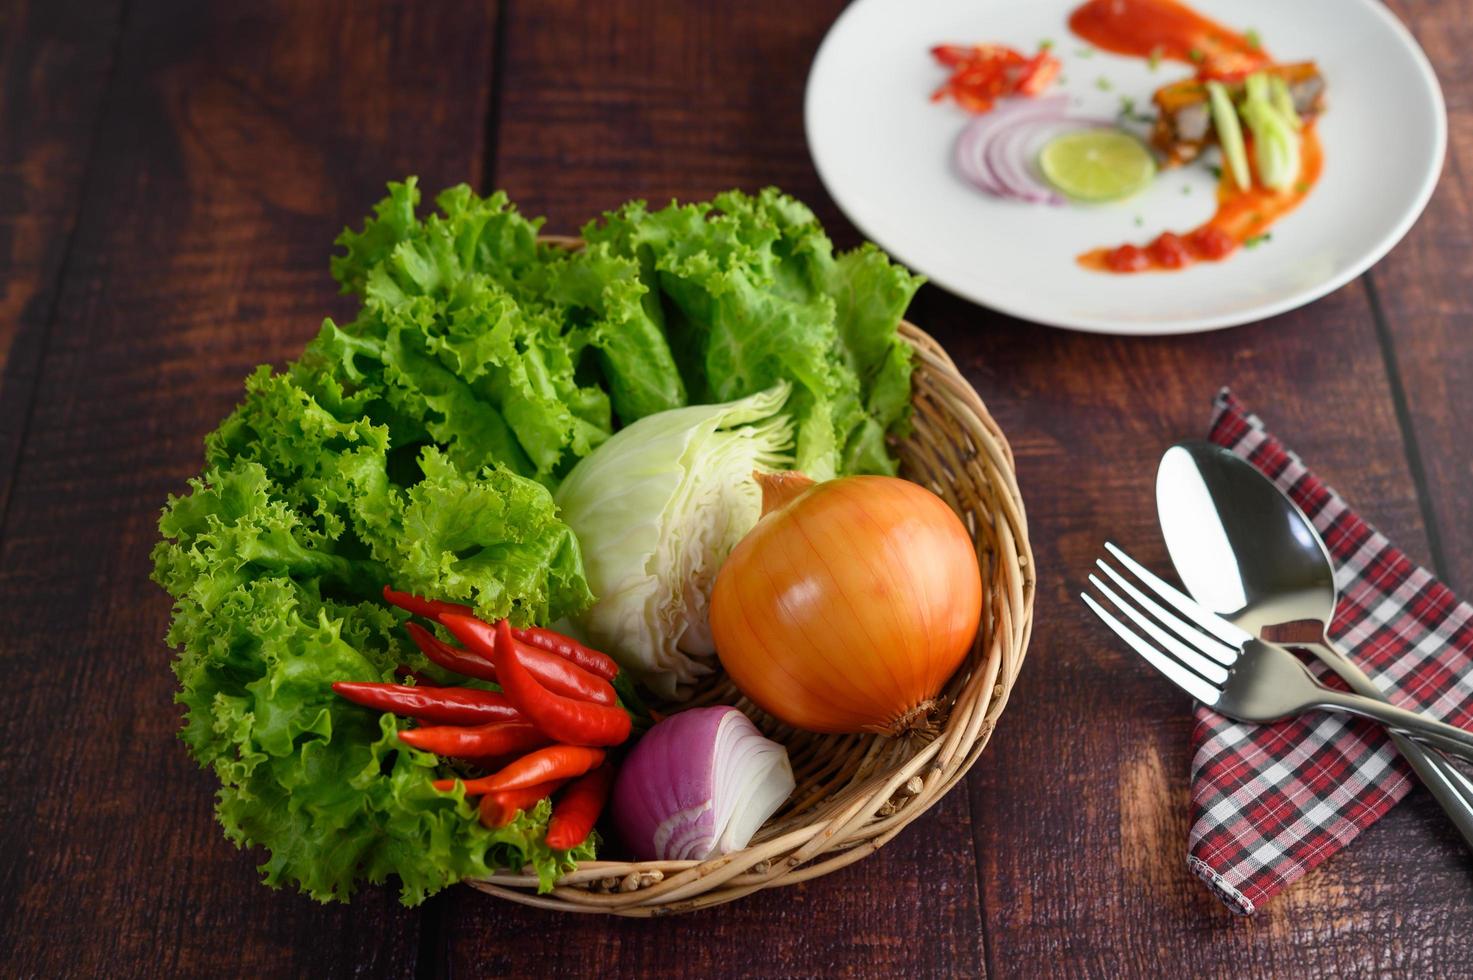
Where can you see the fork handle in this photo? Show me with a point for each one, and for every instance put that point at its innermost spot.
(1449, 738)
(1452, 790)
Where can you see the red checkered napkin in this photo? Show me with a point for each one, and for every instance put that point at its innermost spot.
(1269, 802)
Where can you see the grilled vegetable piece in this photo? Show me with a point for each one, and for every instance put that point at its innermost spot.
(1184, 118)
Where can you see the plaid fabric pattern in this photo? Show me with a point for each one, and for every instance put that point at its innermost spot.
(1270, 802)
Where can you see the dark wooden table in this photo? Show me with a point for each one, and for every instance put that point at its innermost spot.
(171, 176)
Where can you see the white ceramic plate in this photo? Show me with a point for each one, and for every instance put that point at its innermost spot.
(884, 152)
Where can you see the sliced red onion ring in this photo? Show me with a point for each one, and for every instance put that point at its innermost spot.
(698, 784)
(998, 151)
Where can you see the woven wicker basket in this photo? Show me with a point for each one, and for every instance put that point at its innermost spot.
(856, 792)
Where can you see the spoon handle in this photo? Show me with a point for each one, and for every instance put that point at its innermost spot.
(1450, 738)
(1452, 790)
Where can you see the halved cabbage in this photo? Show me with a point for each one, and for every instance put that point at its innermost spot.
(657, 508)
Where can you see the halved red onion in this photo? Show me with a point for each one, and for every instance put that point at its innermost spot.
(998, 151)
(698, 784)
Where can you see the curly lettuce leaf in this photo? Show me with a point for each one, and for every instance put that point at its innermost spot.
(494, 541)
(757, 296)
(326, 786)
(418, 444)
(397, 254)
(451, 347)
(275, 559)
(625, 324)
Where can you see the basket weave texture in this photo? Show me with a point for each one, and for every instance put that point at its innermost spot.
(856, 792)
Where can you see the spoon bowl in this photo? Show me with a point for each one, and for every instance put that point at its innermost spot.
(1245, 551)
(1241, 547)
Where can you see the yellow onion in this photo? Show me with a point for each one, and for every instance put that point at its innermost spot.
(849, 604)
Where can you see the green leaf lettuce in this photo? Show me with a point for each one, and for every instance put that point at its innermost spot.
(419, 445)
(756, 296)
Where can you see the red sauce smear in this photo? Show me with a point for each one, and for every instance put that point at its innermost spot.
(1166, 29)
(1171, 30)
(1241, 215)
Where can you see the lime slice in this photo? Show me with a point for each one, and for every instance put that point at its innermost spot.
(1097, 164)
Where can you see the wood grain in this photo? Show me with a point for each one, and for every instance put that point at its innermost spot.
(55, 61)
(910, 910)
(230, 146)
(235, 143)
(1081, 803)
(1427, 301)
(652, 99)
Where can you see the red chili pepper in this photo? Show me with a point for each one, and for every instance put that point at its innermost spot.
(562, 718)
(420, 606)
(460, 742)
(446, 705)
(575, 812)
(983, 73)
(569, 649)
(552, 641)
(462, 662)
(1037, 73)
(951, 55)
(553, 762)
(551, 671)
(492, 763)
(500, 809)
(961, 55)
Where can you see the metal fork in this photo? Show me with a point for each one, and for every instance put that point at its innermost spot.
(1232, 671)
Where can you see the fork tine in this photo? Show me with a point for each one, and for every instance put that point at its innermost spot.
(1184, 604)
(1177, 674)
(1189, 657)
(1210, 645)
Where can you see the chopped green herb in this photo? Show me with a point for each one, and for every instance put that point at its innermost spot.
(1302, 187)
(1063, 79)
(1085, 52)
(1215, 171)
(1128, 111)
(1254, 41)
(1196, 57)
(1154, 58)
(1186, 188)
(1045, 44)
(1253, 241)
(1103, 84)
(1139, 220)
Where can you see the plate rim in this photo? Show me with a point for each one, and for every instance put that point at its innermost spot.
(1388, 240)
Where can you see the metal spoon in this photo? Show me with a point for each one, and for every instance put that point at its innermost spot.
(1245, 551)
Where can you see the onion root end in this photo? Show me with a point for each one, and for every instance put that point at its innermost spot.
(919, 720)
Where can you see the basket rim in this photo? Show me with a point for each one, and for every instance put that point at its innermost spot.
(868, 813)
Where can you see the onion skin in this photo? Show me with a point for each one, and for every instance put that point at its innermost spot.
(669, 773)
(995, 152)
(849, 604)
(666, 800)
(976, 153)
